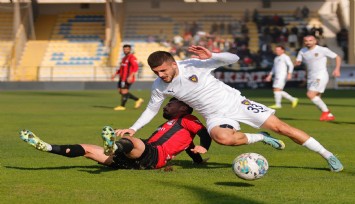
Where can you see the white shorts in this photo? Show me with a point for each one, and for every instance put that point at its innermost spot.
(318, 84)
(279, 82)
(249, 112)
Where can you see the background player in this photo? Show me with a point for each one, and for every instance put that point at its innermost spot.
(282, 70)
(127, 75)
(315, 58)
(222, 106)
(171, 138)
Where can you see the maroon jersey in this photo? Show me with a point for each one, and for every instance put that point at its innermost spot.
(174, 136)
(129, 65)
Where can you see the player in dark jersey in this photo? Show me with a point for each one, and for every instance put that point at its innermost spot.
(171, 138)
(127, 76)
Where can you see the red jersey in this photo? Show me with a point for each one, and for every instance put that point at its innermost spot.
(174, 136)
(129, 65)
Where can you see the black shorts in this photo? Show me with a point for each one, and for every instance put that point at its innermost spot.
(148, 160)
(123, 84)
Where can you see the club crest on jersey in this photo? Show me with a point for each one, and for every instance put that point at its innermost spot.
(246, 102)
(193, 78)
(316, 54)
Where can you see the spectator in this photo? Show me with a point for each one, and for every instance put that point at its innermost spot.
(305, 12)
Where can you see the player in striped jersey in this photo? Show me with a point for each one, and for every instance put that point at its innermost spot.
(171, 138)
(127, 74)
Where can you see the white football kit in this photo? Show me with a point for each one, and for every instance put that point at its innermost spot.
(217, 102)
(316, 62)
(282, 66)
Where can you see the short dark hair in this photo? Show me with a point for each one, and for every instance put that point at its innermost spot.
(189, 109)
(157, 58)
(127, 45)
(281, 46)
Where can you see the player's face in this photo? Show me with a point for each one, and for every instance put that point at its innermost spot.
(172, 109)
(167, 71)
(126, 50)
(309, 41)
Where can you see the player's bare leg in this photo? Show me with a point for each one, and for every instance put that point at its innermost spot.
(226, 135)
(302, 138)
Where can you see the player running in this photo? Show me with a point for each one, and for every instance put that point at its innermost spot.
(127, 73)
(282, 71)
(315, 58)
(222, 106)
(171, 138)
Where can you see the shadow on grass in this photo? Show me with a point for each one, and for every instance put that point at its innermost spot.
(206, 195)
(96, 169)
(237, 184)
(301, 167)
(104, 107)
(307, 119)
(187, 164)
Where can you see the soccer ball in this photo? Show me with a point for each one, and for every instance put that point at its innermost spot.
(250, 166)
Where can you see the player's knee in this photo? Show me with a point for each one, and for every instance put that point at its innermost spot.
(227, 138)
(124, 145)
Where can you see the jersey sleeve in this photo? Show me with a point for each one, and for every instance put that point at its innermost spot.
(217, 60)
(327, 52)
(299, 56)
(156, 99)
(134, 63)
(289, 64)
(192, 124)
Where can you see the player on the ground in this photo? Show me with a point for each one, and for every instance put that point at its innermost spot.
(315, 58)
(127, 74)
(282, 71)
(222, 106)
(171, 138)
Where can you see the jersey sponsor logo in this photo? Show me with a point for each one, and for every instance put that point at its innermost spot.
(193, 78)
(170, 122)
(256, 108)
(316, 54)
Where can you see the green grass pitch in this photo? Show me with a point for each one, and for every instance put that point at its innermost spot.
(296, 175)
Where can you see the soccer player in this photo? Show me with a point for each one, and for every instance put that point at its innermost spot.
(222, 106)
(282, 69)
(127, 74)
(315, 58)
(171, 138)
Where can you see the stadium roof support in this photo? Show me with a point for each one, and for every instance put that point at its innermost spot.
(351, 37)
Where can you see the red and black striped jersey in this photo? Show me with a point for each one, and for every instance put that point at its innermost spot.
(129, 65)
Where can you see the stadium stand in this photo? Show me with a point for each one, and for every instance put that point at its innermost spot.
(6, 43)
(76, 48)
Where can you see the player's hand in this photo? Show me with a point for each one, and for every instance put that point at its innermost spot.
(336, 73)
(200, 52)
(199, 150)
(289, 76)
(268, 78)
(122, 132)
(130, 79)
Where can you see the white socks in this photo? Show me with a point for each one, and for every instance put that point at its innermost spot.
(278, 97)
(320, 104)
(287, 96)
(252, 138)
(315, 146)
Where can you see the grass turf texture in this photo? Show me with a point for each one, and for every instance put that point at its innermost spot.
(296, 175)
